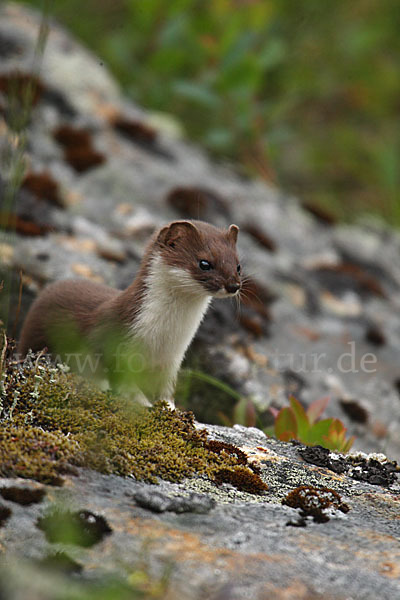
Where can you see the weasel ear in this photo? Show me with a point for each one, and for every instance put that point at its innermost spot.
(174, 231)
(233, 233)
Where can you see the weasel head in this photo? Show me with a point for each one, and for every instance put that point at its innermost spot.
(201, 259)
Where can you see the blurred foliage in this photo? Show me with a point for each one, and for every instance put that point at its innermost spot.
(293, 422)
(57, 577)
(290, 422)
(304, 93)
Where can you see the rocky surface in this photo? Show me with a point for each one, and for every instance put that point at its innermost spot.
(218, 542)
(320, 317)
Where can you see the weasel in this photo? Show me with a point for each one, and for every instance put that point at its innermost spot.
(148, 327)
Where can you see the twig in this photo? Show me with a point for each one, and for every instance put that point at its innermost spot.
(3, 351)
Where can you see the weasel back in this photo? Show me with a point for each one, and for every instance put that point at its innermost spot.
(63, 304)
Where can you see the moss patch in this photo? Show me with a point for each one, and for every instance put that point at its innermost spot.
(52, 420)
(242, 478)
(314, 502)
(27, 451)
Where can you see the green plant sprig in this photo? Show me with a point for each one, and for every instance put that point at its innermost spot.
(293, 422)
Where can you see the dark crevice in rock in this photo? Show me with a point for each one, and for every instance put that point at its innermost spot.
(59, 101)
(348, 276)
(374, 335)
(322, 215)
(141, 134)
(355, 411)
(21, 87)
(43, 186)
(5, 513)
(375, 270)
(78, 148)
(135, 130)
(23, 495)
(197, 203)
(9, 46)
(260, 236)
(23, 225)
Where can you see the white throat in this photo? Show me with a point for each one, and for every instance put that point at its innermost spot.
(172, 309)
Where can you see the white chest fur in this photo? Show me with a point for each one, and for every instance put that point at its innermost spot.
(172, 310)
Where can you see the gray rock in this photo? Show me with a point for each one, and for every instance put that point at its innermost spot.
(244, 541)
(159, 502)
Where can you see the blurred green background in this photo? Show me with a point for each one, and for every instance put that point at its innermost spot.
(304, 94)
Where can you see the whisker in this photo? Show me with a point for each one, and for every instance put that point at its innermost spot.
(238, 306)
(254, 294)
(246, 295)
(248, 277)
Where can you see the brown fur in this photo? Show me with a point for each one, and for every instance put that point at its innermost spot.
(184, 243)
(90, 306)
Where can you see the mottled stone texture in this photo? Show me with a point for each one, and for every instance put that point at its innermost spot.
(223, 543)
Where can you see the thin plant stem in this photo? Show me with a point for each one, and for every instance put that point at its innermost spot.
(14, 162)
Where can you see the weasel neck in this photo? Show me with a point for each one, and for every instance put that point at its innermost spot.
(171, 309)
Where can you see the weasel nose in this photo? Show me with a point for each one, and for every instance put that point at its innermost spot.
(232, 288)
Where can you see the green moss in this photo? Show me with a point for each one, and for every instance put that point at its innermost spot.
(51, 420)
(34, 453)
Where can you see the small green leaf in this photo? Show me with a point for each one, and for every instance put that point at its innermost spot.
(245, 413)
(336, 437)
(337, 428)
(286, 436)
(285, 423)
(197, 93)
(302, 422)
(269, 431)
(317, 431)
(251, 414)
(219, 138)
(346, 447)
(317, 408)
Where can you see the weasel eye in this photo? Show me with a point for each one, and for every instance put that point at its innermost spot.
(238, 268)
(205, 265)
